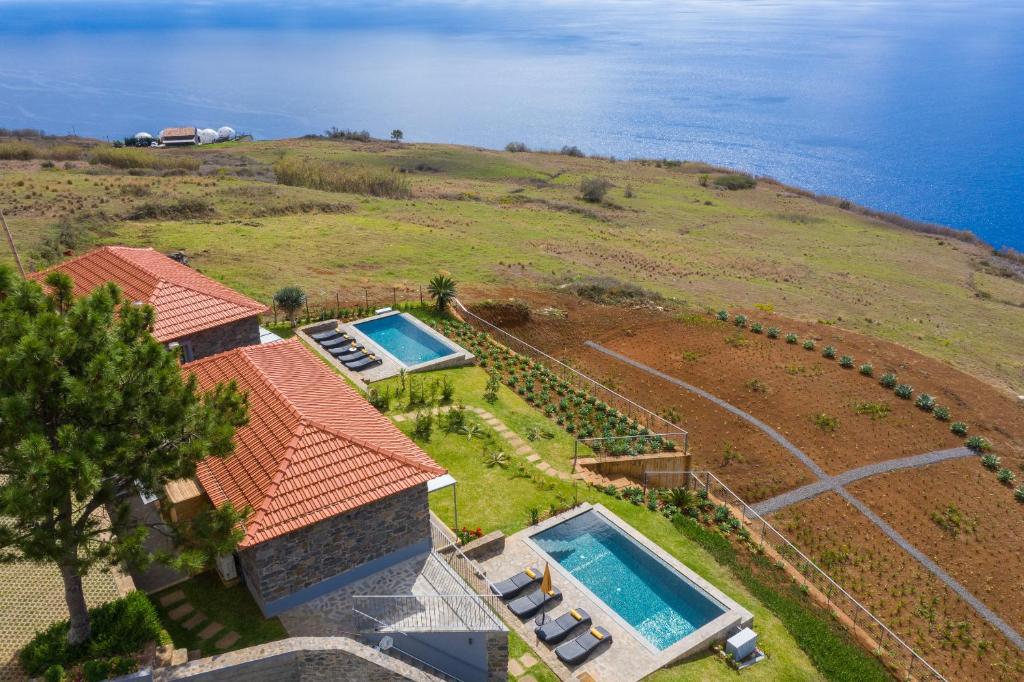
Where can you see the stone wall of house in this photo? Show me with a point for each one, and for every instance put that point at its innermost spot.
(497, 656)
(280, 567)
(244, 332)
(297, 659)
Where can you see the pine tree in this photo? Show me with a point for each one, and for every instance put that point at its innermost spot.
(93, 410)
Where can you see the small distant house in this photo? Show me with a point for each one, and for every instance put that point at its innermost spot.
(179, 136)
(193, 312)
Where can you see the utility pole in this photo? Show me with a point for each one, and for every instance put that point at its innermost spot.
(10, 242)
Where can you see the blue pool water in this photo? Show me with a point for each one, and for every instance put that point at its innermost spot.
(403, 339)
(657, 601)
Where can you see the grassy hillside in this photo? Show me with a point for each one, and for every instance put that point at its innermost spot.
(497, 218)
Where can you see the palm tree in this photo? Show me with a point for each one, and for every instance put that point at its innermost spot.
(290, 300)
(442, 290)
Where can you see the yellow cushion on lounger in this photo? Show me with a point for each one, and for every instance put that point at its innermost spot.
(576, 614)
(530, 573)
(551, 593)
(596, 633)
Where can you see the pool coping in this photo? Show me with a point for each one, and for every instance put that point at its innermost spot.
(735, 616)
(457, 358)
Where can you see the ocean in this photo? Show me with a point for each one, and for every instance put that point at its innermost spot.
(913, 107)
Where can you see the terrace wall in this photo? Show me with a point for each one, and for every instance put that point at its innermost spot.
(292, 569)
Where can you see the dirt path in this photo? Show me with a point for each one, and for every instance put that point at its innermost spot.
(774, 504)
(829, 483)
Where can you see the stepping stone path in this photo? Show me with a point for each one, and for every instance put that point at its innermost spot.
(514, 440)
(197, 618)
(517, 668)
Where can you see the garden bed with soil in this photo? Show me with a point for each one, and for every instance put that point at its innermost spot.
(897, 589)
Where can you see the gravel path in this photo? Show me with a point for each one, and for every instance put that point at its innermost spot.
(826, 483)
(810, 490)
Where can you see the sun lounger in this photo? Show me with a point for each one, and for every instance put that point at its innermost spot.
(345, 350)
(335, 342)
(524, 607)
(556, 630)
(366, 363)
(578, 650)
(325, 336)
(517, 583)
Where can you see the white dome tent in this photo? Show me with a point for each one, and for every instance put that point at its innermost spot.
(143, 136)
(207, 136)
(225, 133)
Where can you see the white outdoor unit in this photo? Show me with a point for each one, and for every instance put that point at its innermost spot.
(741, 645)
(226, 568)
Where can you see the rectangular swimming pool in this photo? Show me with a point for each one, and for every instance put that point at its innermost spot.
(404, 339)
(655, 599)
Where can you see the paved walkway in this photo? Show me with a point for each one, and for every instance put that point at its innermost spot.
(180, 610)
(810, 490)
(519, 445)
(826, 482)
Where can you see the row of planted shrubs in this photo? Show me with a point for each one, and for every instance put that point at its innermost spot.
(120, 631)
(891, 381)
(577, 411)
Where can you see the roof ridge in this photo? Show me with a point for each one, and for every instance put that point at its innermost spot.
(404, 459)
(115, 251)
(255, 522)
(248, 301)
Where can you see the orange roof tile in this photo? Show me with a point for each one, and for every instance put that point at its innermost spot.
(313, 447)
(186, 301)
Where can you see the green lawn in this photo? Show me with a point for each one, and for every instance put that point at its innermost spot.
(232, 607)
(500, 498)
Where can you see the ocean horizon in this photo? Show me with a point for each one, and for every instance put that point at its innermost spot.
(909, 107)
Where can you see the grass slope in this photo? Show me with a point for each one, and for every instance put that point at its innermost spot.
(495, 219)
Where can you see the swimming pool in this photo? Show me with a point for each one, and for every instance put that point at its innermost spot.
(660, 603)
(405, 340)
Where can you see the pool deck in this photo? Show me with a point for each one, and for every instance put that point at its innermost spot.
(390, 366)
(630, 656)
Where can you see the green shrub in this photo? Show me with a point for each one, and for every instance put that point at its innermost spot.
(756, 327)
(829, 352)
(978, 444)
(809, 344)
(740, 320)
(187, 208)
(55, 673)
(846, 362)
(516, 147)
(331, 176)
(773, 332)
(888, 380)
(735, 181)
(1018, 494)
(826, 422)
(990, 462)
(958, 428)
(925, 402)
(867, 369)
(723, 315)
(791, 338)
(941, 412)
(120, 627)
(874, 410)
(1005, 476)
(17, 151)
(594, 189)
(905, 391)
(424, 426)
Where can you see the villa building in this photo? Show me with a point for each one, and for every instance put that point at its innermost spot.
(194, 312)
(187, 135)
(340, 541)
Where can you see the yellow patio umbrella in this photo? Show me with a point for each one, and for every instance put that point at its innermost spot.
(545, 587)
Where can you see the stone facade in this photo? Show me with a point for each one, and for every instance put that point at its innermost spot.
(280, 567)
(297, 659)
(244, 332)
(497, 656)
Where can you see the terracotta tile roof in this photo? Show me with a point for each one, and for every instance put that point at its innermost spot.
(313, 447)
(186, 301)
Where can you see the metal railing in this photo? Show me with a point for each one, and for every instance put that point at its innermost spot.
(901, 655)
(634, 410)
